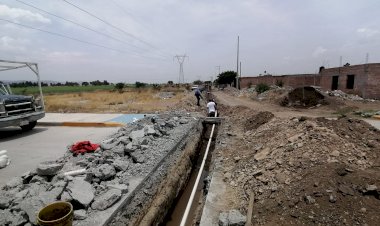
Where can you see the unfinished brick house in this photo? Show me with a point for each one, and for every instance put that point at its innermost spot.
(363, 80)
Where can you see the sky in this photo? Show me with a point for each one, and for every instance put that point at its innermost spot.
(135, 40)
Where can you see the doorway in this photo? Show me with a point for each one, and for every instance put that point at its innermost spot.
(334, 85)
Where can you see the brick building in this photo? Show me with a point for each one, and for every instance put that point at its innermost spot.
(363, 80)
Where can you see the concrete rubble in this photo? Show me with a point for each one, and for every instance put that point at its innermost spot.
(103, 177)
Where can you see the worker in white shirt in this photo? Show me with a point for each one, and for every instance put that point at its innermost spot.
(211, 108)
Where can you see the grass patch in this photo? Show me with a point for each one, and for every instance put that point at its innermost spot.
(60, 89)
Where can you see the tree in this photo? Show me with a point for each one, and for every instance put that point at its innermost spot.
(85, 83)
(170, 83)
(140, 84)
(226, 77)
(197, 82)
(119, 87)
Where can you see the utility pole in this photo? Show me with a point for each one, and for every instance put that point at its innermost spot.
(237, 64)
(181, 59)
(218, 67)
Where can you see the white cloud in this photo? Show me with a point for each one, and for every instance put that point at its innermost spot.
(12, 44)
(22, 15)
(368, 32)
(319, 51)
(64, 57)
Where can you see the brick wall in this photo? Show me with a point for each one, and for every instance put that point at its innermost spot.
(366, 82)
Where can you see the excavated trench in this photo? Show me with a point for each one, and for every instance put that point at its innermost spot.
(163, 198)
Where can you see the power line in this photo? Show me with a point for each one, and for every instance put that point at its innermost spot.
(63, 36)
(181, 59)
(111, 25)
(80, 25)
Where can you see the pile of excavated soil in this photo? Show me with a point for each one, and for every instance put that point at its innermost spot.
(255, 121)
(303, 171)
(303, 97)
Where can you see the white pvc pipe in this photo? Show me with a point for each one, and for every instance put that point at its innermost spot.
(191, 199)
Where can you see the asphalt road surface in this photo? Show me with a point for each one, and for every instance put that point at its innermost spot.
(27, 149)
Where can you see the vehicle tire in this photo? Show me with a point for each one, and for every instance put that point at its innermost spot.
(30, 126)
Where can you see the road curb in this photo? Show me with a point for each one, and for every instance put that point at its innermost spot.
(82, 124)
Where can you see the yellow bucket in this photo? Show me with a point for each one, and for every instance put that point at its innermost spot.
(56, 214)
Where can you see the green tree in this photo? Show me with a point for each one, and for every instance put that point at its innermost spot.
(170, 83)
(140, 84)
(226, 77)
(119, 87)
(197, 82)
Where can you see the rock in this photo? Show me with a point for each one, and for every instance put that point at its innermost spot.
(13, 183)
(66, 197)
(235, 218)
(18, 197)
(257, 173)
(49, 168)
(223, 219)
(80, 214)
(129, 148)
(345, 190)
(52, 195)
(106, 200)
(371, 187)
(332, 199)
(335, 153)
(137, 157)
(120, 165)
(104, 172)
(19, 218)
(134, 135)
(124, 140)
(122, 187)
(80, 191)
(5, 200)
(309, 199)
(108, 144)
(119, 150)
(149, 130)
(31, 206)
(183, 121)
(262, 154)
(27, 176)
(5, 217)
(38, 178)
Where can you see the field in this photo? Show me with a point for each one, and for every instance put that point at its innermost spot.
(132, 100)
(60, 89)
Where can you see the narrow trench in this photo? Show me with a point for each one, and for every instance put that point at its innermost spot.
(174, 216)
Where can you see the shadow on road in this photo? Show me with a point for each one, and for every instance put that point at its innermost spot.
(11, 133)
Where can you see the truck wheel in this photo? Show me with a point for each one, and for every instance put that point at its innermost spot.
(30, 126)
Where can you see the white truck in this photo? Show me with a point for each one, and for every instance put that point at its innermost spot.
(20, 110)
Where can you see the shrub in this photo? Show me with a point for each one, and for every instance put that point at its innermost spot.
(119, 87)
(279, 83)
(261, 87)
(140, 84)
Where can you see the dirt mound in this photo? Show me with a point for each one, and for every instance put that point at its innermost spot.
(307, 171)
(304, 97)
(257, 120)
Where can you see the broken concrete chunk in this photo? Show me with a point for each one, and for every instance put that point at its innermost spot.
(81, 191)
(80, 214)
(120, 165)
(104, 172)
(106, 200)
(124, 140)
(149, 130)
(232, 218)
(5, 200)
(346, 190)
(38, 178)
(31, 206)
(107, 146)
(371, 187)
(13, 183)
(129, 148)
(119, 150)
(134, 135)
(183, 121)
(122, 187)
(137, 157)
(49, 168)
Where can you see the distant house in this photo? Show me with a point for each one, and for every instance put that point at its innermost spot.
(363, 79)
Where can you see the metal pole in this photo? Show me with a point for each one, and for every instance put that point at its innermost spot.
(237, 64)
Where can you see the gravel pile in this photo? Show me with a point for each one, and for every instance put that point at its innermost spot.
(97, 180)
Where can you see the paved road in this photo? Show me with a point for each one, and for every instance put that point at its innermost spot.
(374, 122)
(28, 149)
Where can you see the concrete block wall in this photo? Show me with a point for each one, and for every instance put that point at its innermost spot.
(288, 80)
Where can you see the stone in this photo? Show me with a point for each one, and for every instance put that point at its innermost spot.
(49, 168)
(5, 217)
(106, 200)
(122, 187)
(345, 190)
(66, 197)
(235, 218)
(38, 178)
(262, 154)
(134, 135)
(335, 153)
(332, 199)
(371, 187)
(104, 172)
(13, 183)
(27, 176)
(223, 219)
(5, 200)
(35, 189)
(120, 165)
(124, 140)
(137, 157)
(80, 191)
(108, 144)
(149, 130)
(52, 195)
(363, 210)
(31, 206)
(119, 150)
(309, 199)
(129, 148)
(257, 173)
(19, 218)
(183, 121)
(80, 214)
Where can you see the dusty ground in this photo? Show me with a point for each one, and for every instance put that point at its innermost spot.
(302, 168)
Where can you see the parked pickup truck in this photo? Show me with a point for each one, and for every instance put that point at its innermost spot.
(20, 110)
